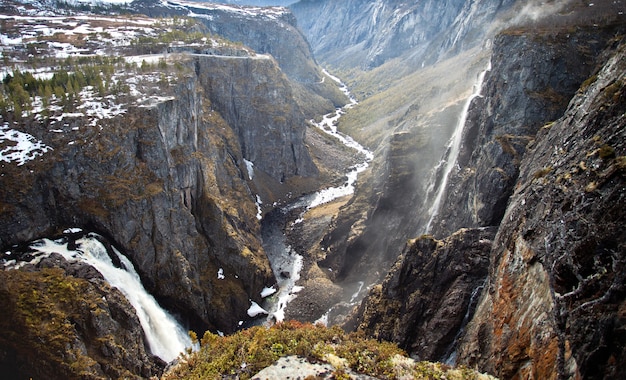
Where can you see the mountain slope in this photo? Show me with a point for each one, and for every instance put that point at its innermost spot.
(166, 139)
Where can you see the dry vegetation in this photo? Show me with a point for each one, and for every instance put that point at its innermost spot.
(245, 353)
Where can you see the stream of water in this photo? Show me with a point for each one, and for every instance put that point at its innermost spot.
(453, 148)
(286, 262)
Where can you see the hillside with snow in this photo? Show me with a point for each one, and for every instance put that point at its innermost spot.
(61, 68)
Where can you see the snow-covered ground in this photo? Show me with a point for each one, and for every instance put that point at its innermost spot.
(199, 8)
(44, 45)
(19, 147)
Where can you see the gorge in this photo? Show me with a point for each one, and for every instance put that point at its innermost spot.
(484, 229)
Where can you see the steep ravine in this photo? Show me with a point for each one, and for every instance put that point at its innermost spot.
(540, 63)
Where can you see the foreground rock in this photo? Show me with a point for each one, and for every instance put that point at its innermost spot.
(62, 320)
(428, 295)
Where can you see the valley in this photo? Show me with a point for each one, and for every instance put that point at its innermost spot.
(426, 182)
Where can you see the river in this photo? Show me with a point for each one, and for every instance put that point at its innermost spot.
(286, 262)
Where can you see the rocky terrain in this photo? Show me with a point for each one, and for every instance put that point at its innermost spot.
(540, 70)
(162, 137)
(487, 230)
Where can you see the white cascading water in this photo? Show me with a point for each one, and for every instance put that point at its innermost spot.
(329, 126)
(453, 148)
(166, 337)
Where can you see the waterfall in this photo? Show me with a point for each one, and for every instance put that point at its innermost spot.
(165, 336)
(453, 148)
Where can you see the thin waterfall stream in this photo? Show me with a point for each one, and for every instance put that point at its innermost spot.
(453, 148)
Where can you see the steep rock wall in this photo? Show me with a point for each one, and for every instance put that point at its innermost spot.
(256, 100)
(532, 79)
(168, 185)
(367, 34)
(518, 97)
(554, 303)
(425, 299)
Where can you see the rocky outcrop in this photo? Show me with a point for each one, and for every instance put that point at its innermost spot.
(428, 295)
(62, 320)
(255, 99)
(554, 303)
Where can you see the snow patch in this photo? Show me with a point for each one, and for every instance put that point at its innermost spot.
(259, 212)
(20, 146)
(250, 167)
(255, 310)
(266, 292)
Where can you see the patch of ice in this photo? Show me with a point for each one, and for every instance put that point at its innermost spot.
(297, 289)
(288, 288)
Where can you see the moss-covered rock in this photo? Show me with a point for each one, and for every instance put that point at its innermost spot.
(346, 356)
(58, 326)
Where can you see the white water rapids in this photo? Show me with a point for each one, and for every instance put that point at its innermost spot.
(329, 126)
(453, 148)
(165, 336)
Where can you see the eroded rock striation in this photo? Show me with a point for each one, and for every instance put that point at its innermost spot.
(375, 32)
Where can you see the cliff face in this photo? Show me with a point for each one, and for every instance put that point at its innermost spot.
(272, 31)
(554, 303)
(532, 79)
(257, 102)
(372, 33)
(427, 296)
(169, 185)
